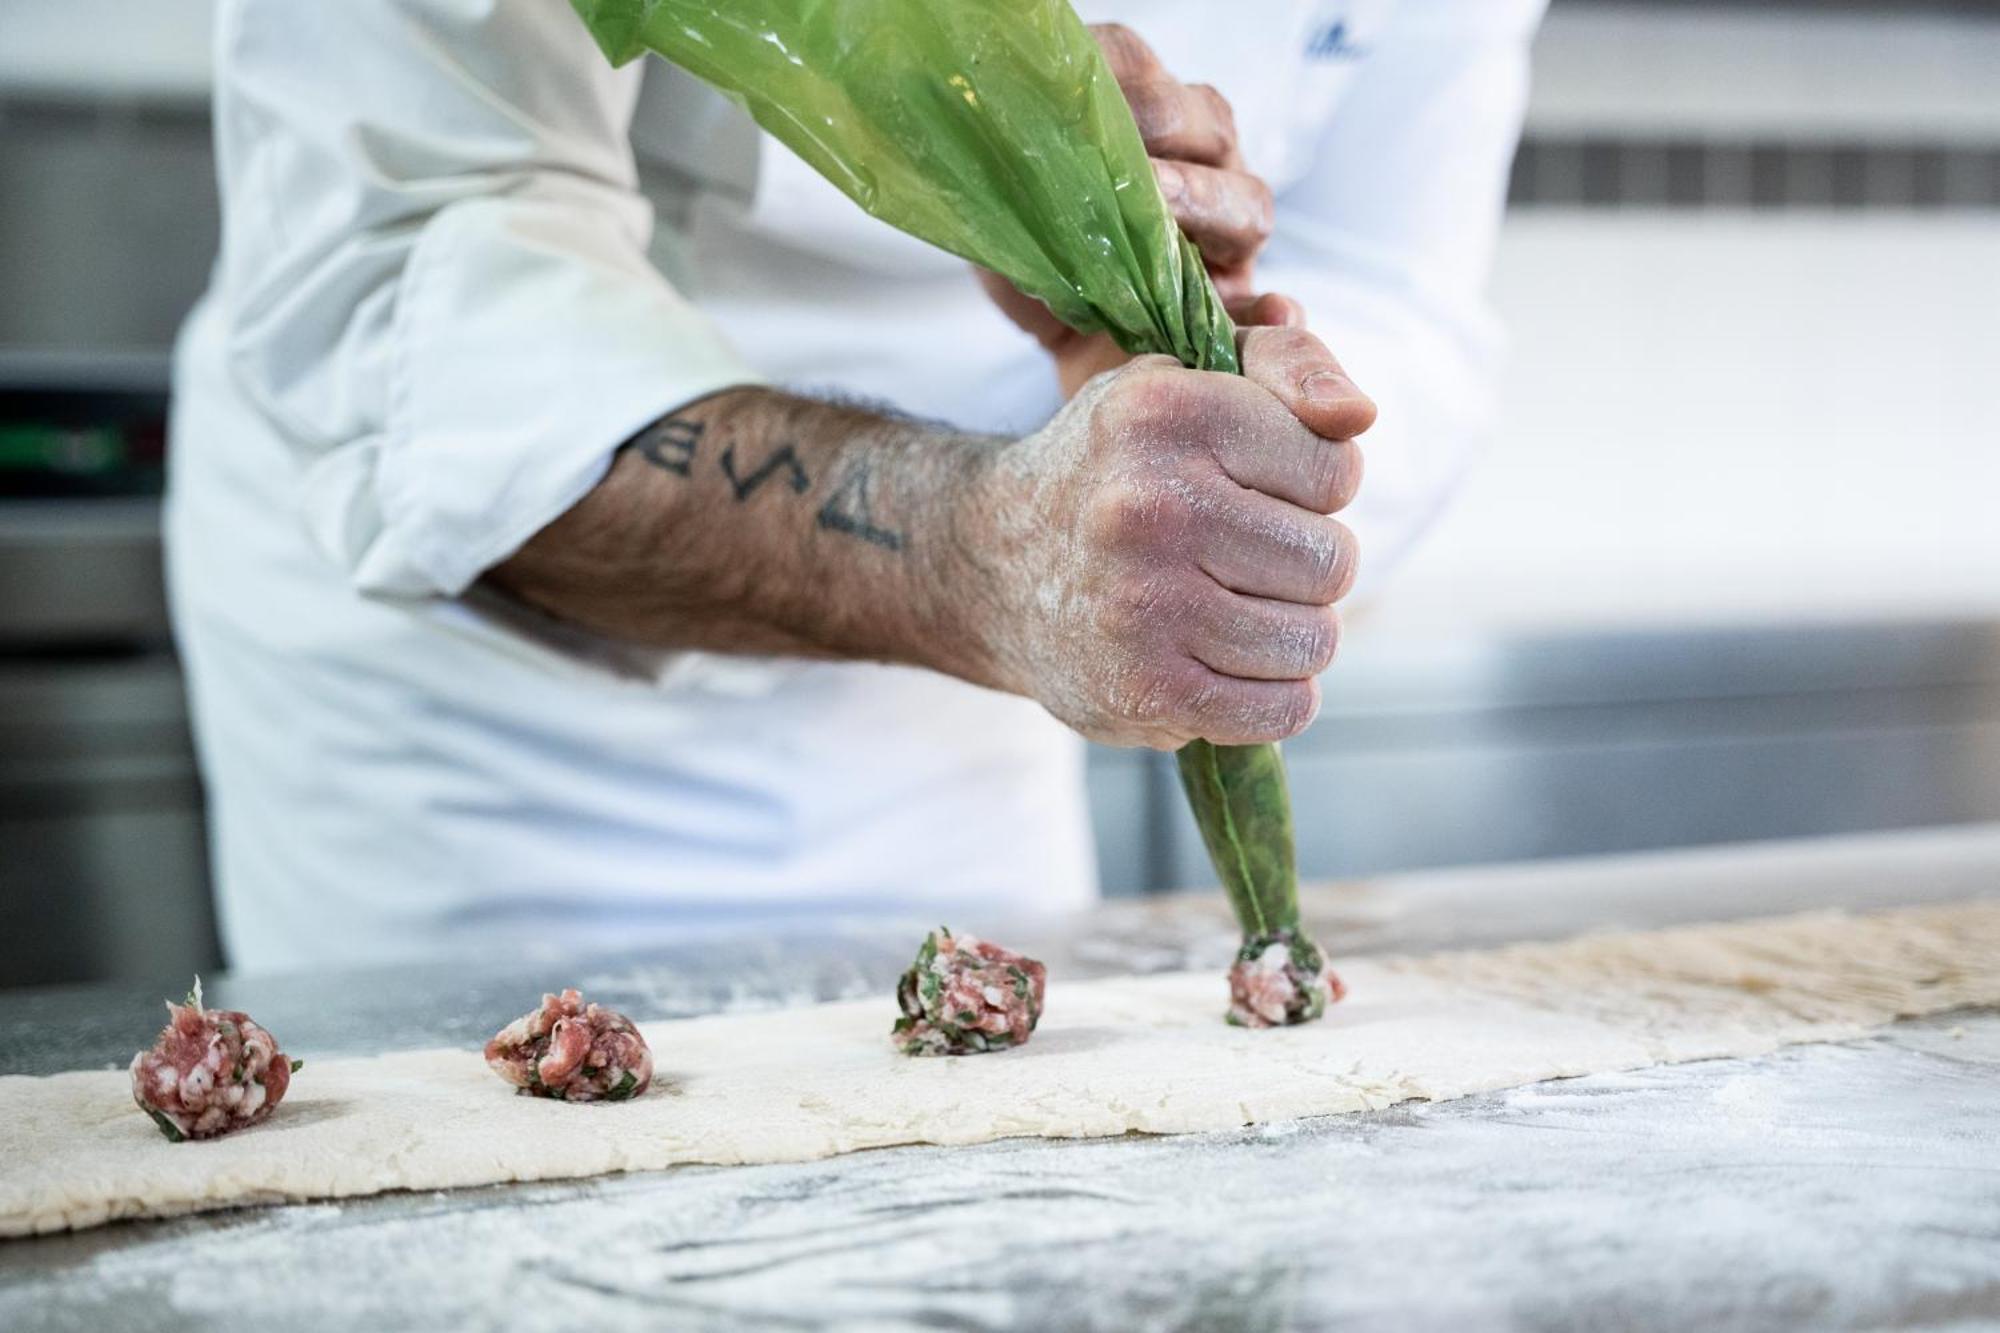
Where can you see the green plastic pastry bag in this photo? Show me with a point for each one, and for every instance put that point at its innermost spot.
(995, 130)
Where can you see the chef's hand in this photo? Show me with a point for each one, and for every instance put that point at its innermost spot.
(1190, 133)
(1157, 562)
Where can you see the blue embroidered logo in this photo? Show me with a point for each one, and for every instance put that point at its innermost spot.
(1333, 42)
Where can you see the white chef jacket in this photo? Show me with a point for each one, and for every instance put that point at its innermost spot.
(463, 260)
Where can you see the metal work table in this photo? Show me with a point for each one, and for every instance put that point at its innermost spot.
(1821, 1187)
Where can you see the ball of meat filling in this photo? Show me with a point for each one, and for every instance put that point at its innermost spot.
(573, 1052)
(213, 1071)
(1280, 979)
(964, 996)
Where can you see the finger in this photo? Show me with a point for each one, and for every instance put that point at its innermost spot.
(1084, 358)
(1270, 309)
(1235, 284)
(1228, 214)
(1192, 122)
(1125, 51)
(1262, 547)
(1254, 638)
(1224, 115)
(1229, 711)
(1261, 444)
(1177, 123)
(1296, 368)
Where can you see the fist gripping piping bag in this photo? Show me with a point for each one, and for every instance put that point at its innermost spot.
(994, 129)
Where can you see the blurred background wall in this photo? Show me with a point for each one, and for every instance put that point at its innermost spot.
(1728, 574)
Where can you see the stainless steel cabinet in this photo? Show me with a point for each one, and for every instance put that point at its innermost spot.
(103, 871)
(1456, 753)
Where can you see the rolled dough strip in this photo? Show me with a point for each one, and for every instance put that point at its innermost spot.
(1145, 1054)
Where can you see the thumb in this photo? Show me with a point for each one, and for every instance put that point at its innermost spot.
(1296, 368)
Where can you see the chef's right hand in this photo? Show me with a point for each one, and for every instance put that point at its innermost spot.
(1158, 562)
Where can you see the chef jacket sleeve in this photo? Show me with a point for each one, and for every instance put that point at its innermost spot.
(435, 275)
(1387, 240)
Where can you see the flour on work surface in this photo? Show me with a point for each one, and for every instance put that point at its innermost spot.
(1145, 1054)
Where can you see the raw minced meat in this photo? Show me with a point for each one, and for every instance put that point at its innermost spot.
(964, 996)
(211, 1072)
(1280, 979)
(573, 1052)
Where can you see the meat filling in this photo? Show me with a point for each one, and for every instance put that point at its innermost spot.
(1280, 979)
(573, 1052)
(964, 996)
(213, 1071)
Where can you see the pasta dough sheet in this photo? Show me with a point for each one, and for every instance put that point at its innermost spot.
(1133, 1055)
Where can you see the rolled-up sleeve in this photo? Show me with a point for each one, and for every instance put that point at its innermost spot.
(435, 273)
(1388, 239)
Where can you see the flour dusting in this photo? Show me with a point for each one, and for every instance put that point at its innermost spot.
(1819, 1187)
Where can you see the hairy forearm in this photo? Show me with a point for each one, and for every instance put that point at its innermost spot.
(1153, 565)
(761, 522)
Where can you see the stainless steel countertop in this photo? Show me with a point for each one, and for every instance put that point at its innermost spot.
(1821, 1187)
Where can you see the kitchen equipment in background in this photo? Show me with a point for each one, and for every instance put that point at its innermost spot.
(103, 869)
(82, 426)
(1514, 747)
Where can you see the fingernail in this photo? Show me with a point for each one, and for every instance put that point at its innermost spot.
(1326, 387)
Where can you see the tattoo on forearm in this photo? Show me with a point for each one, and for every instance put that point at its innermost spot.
(670, 443)
(673, 443)
(785, 458)
(847, 510)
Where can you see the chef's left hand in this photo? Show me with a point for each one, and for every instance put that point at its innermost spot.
(1190, 133)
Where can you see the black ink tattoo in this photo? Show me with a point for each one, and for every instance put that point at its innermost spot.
(786, 458)
(669, 444)
(847, 510)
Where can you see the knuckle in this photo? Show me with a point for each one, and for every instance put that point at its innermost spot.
(1152, 406)
(1146, 704)
(1332, 476)
(1138, 516)
(1156, 104)
(1168, 696)
(1298, 705)
(1193, 699)
(1300, 645)
(1130, 607)
(1270, 712)
(1124, 49)
(1120, 515)
(1123, 401)
(1139, 370)
(1219, 108)
(1320, 643)
(1322, 558)
(1350, 476)
(1293, 345)
(1335, 564)
(1264, 208)
(1284, 354)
